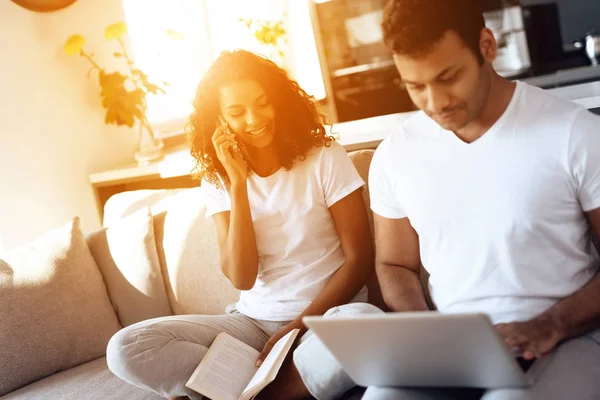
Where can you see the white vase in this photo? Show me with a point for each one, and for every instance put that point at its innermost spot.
(150, 147)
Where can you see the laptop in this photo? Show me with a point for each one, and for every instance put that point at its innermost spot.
(422, 349)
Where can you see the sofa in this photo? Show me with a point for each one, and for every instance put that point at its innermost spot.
(65, 294)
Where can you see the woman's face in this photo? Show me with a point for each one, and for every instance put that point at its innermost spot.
(249, 112)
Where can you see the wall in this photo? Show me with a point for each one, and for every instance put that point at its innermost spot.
(52, 131)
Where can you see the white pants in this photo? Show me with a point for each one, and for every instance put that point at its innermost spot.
(160, 354)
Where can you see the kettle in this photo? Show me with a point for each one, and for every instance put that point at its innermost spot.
(591, 42)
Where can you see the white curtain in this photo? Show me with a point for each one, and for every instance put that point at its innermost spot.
(209, 27)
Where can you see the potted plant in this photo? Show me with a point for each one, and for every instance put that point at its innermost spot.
(123, 95)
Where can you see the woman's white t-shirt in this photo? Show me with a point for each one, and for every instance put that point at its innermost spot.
(298, 247)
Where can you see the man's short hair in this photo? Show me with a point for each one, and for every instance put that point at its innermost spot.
(413, 27)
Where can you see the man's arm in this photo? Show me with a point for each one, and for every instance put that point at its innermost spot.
(580, 312)
(569, 318)
(397, 263)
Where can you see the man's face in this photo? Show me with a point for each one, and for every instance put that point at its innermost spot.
(448, 83)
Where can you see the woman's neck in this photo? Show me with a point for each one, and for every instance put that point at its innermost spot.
(264, 161)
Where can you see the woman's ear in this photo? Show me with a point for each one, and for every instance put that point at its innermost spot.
(488, 46)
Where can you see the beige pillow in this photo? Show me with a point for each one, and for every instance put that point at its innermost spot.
(189, 253)
(126, 203)
(127, 257)
(54, 309)
(362, 163)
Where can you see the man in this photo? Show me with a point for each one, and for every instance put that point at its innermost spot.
(490, 187)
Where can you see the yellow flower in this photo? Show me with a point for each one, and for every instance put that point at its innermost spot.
(74, 45)
(115, 31)
(173, 34)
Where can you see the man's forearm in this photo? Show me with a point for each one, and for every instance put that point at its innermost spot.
(401, 288)
(578, 313)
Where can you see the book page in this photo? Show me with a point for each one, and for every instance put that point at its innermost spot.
(225, 370)
(270, 367)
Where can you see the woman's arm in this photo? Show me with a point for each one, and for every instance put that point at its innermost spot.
(235, 232)
(352, 226)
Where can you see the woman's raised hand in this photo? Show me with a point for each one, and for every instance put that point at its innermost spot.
(227, 151)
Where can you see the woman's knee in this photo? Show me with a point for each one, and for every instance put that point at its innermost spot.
(116, 351)
(125, 349)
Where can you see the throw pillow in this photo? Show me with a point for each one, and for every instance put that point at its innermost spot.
(54, 308)
(127, 257)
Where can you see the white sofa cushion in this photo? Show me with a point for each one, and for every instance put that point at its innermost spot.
(124, 204)
(55, 310)
(126, 255)
(90, 381)
(362, 161)
(187, 247)
(189, 254)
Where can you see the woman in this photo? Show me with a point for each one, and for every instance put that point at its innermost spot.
(289, 214)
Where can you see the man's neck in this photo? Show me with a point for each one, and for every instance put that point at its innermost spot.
(495, 104)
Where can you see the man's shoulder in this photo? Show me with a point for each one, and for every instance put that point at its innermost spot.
(414, 128)
(546, 105)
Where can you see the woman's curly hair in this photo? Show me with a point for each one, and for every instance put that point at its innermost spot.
(298, 123)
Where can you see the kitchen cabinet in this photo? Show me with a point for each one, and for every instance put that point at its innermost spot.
(360, 78)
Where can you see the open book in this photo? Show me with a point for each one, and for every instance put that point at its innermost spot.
(228, 370)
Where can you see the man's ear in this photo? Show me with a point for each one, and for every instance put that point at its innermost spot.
(487, 45)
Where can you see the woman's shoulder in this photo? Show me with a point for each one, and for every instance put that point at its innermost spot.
(322, 157)
(213, 188)
(331, 150)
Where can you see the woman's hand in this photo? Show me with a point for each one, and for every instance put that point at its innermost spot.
(225, 144)
(275, 338)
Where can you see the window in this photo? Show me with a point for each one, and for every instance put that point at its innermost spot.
(209, 27)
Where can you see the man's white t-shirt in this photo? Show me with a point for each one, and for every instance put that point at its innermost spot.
(500, 221)
(298, 246)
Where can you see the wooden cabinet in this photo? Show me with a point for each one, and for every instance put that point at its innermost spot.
(174, 171)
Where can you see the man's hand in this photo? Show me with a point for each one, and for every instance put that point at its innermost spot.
(536, 338)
